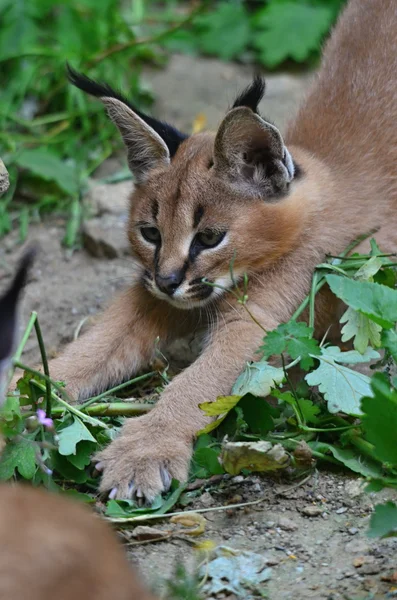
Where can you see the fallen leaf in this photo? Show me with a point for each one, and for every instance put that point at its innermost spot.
(195, 521)
(256, 456)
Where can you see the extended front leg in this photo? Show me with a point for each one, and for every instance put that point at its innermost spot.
(156, 448)
(118, 346)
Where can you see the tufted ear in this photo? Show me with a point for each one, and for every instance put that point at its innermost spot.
(150, 143)
(251, 153)
(8, 316)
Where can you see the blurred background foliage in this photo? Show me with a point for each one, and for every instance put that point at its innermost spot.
(52, 137)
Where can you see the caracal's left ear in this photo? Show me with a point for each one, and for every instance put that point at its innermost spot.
(150, 143)
(250, 152)
(8, 316)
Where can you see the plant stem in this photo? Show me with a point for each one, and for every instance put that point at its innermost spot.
(312, 300)
(146, 40)
(111, 409)
(45, 366)
(25, 336)
(62, 392)
(116, 389)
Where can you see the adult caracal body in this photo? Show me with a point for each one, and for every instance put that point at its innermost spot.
(278, 206)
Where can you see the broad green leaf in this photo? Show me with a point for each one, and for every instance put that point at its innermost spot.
(225, 31)
(351, 459)
(208, 459)
(378, 302)
(49, 166)
(257, 413)
(18, 455)
(63, 466)
(290, 30)
(361, 328)
(82, 458)
(70, 436)
(294, 337)
(342, 387)
(306, 407)
(380, 419)
(256, 456)
(389, 341)
(258, 379)
(10, 417)
(351, 357)
(383, 521)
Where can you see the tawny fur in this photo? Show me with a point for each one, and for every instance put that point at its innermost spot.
(52, 547)
(344, 139)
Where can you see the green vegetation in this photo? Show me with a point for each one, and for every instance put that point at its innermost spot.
(326, 412)
(52, 137)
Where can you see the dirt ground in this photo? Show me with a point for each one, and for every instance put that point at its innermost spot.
(320, 552)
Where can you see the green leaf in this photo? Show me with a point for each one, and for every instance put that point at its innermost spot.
(378, 302)
(308, 410)
(18, 455)
(83, 456)
(258, 379)
(383, 521)
(225, 31)
(389, 341)
(294, 337)
(361, 328)
(379, 420)
(290, 30)
(342, 387)
(70, 436)
(219, 408)
(351, 459)
(63, 466)
(10, 417)
(257, 413)
(50, 167)
(208, 459)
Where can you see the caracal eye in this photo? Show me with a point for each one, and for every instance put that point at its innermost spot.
(209, 238)
(151, 234)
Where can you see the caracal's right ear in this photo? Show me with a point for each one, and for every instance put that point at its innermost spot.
(150, 143)
(8, 317)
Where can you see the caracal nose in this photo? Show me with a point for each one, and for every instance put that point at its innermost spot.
(169, 283)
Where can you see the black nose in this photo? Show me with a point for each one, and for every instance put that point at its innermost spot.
(169, 283)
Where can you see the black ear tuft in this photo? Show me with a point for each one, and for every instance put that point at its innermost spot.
(252, 94)
(171, 136)
(9, 305)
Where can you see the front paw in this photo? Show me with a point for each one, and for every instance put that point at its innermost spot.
(143, 460)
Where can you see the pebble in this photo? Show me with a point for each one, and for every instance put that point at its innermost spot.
(287, 524)
(357, 547)
(238, 479)
(312, 510)
(352, 530)
(341, 510)
(206, 500)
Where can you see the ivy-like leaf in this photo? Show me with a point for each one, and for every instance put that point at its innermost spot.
(290, 30)
(207, 458)
(380, 419)
(378, 302)
(70, 436)
(294, 337)
(19, 455)
(351, 459)
(342, 387)
(225, 31)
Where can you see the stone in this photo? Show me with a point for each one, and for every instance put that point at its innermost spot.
(357, 546)
(312, 510)
(109, 198)
(106, 237)
(4, 179)
(287, 524)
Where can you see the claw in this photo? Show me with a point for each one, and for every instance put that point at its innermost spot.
(99, 466)
(139, 493)
(113, 493)
(166, 478)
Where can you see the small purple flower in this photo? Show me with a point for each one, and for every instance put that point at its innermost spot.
(43, 420)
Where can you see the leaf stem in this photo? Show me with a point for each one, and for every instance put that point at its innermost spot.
(117, 388)
(62, 392)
